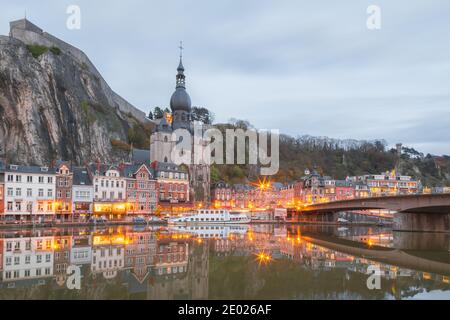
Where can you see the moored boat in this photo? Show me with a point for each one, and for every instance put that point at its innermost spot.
(210, 216)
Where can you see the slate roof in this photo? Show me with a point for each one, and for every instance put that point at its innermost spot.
(141, 156)
(81, 176)
(168, 167)
(29, 169)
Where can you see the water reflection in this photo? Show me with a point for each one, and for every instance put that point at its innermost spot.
(223, 262)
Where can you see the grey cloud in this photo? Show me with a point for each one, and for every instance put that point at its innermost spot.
(299, 66)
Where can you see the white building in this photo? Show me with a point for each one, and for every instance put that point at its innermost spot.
(108, 260)
(81, 251)
(82, 192)
(109, 192)
(109, 184)
(27, 258)
(29, 192)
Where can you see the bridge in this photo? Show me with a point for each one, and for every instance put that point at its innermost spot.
(425, 212)
(438, 262)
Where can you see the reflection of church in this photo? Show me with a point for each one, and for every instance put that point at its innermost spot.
(162, 143)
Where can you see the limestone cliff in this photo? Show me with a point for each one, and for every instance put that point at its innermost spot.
(54, 106)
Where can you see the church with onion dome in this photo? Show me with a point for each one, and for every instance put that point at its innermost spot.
(162, 142)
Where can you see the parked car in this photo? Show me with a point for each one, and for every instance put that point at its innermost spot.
(155, 219)
(98, 220)
(139, 219)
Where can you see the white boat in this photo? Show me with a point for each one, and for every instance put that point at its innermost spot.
(211, 231)
(210, 216)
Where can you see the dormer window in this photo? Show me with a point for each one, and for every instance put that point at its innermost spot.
(44, 169)
(14, 167)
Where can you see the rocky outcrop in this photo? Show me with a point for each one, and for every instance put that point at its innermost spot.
(54, 107)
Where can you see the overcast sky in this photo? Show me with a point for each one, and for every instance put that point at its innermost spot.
(304, 67)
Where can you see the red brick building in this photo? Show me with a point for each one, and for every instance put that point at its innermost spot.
(141, 191)
(345, 190)
(63, 199)
(222, 195)
(139, 253)
(171, 257)
(173, 183)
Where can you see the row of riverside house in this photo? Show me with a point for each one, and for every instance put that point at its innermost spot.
(312, 188)
(73, 193)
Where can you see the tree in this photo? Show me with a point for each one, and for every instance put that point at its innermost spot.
(138, 137)
(158, 113)
(150, 115)
(166, 110)
(215, 174)
(202, 114)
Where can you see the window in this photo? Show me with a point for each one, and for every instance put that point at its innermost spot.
(29, 193)
(40, 193)
(30, 179)
(10, 192)
(27, 260)
(50, 180)
(41, 179)
(18, 178)
(50, 193)
(8, 261)
(16, 261)
(38, 258)
(10, 178)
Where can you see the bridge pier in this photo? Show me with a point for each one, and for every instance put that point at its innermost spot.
(432, 222)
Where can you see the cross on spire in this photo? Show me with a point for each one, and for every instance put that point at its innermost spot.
(181, 49)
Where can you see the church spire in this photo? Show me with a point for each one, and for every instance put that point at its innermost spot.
(181, 78)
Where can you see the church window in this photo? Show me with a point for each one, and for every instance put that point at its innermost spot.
(165, 159)
(165, 140)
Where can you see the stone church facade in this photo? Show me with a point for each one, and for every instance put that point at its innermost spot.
(162, 143)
